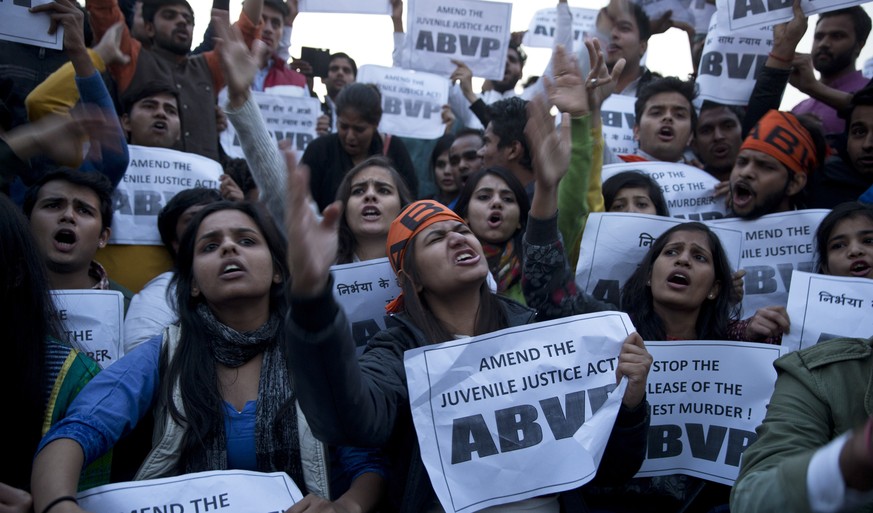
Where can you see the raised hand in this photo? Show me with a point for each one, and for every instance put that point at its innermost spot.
(567, 89)
(601, 82)
(109, 47)
(464, 75)
(312, 241)
(238, 64)
(786, 36)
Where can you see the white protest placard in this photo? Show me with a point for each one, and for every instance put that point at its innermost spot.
(287, 117)
(706, 399)
(730, 63)
(868, 68)
(738, 14)
(472, 31)
(688, 191)
(516, 413)
(153, 177)
(614, 244)
(773, 247)
(541, 31)
(21, 26)
(822, 307)
(93, 322)
(347, 6)
(228, 491)
(702, 12)
(362, 289)
(411, 100)
(619, 118)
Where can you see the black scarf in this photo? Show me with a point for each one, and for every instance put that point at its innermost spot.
(276, 434)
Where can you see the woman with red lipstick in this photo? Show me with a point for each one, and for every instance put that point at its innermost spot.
(495, 206)
(372, 194)
(216, 382)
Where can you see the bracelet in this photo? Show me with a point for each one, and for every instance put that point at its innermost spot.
(59, 500)
(780, 59)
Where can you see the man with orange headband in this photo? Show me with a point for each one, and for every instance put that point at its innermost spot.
(773, 165)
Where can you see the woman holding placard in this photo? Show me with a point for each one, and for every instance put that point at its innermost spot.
(442, 271)
(239, 410)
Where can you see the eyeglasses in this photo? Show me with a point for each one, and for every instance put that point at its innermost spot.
(467, 155)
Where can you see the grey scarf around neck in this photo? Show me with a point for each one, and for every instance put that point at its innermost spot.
(276, 434)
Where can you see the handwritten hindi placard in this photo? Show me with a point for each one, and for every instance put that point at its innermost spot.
(822, 307)
(362, 289)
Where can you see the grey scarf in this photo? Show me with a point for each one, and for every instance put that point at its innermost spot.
(276, 435)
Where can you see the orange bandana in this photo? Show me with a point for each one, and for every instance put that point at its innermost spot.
(780, 135)
(412, 220)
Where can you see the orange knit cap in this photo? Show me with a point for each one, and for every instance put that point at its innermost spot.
(412, 220)
(780, 135)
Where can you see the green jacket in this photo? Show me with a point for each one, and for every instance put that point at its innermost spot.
(821, 392)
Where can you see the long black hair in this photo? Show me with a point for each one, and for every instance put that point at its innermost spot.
(847, 210)
(490, 316)
(715, 314)
(29, 317)
(192, 364)
(463, 206)
(347, 241)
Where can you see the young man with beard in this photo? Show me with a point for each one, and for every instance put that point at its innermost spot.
(773, 165)
(838, 40)
(717, 138)
(846, 175)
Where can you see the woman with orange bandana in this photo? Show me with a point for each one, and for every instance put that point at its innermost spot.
(442, 271)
